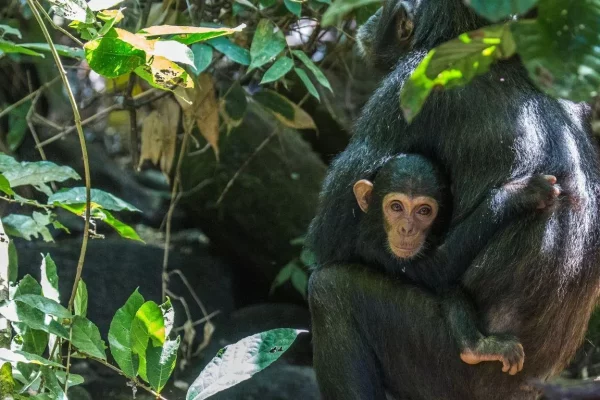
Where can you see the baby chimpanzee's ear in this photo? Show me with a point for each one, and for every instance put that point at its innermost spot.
(362, 192)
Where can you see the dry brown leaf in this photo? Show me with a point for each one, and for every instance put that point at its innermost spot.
(200, 103)
(152, 128)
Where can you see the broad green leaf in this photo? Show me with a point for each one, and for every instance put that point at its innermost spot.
(233, 106)
(25, 227)
(45, 305)
(500, 9)
(49, 280)
(321, 78)
(174, 51)
(119, 335)
(232, 51)
(17, 311)
(5, 186)
(202, 57)
(295, 7)
(66, 51)
(189, 34)
(455, 63)
(160, 363)
(284, 275)
(110, 18)
(27, 285)
(148, 323)
(239, 361)
(10, 47)
(6, 30)
(101, 198)
(164, 74)
(34, 173)
(7, 383)
(52, 384)
(17, 125)
(115, 54)
(73, 10)
(27, 358)
(74, 379)
(122, 229)
(28, 339)
(284, 110)
(299, 281)
(267, 43)
(307, 82)
(86, 338)
(560, 49)
(339, 8)
(279, 68)
(13, 262)
(81, 299)
(97, 5)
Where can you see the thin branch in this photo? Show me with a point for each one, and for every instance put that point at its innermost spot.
(58, 28)
(190, 289)
(245, 164)
(23, 200)
(29, 96)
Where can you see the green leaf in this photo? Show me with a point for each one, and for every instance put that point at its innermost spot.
(7, 383)
(17, 311)
(233, 106)
(560, 48)
(119, 335)
(174, 51)
(279, 68)
(148, 323)
(10, 47)
(49, 279)
(234, 52)
(455, 63)
(74, 379)
(13, 262)
(164, 74)
(5, 186)
(17, 125)
(308, 258)
(81, 299)
(321, 78)
(6, 30)
(122, 229)
(27, 285)
(73, 10)
(25, 227)
(27, 358)
(110, 18)
(66, 51)
(299, 281)
(284, 275)
(284, 110)
(86, 337)
(202, 57)
(101, 198)
(160, 363)
(267, 43)
(34, 173)
(295, 7)
(28, 339)
(339, 8)
(307, 82)
(52, 385)
(97, 5)
(45, 305)
(112, 56)
(189, 34)
(240, 361)
(500, 9)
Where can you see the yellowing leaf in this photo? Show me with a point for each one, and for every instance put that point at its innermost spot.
(284, 110)
(165, 74)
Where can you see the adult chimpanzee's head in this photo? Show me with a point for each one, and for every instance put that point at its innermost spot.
(395, 29)
(401, 206)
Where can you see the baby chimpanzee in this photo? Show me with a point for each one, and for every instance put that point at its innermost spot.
(406, 207)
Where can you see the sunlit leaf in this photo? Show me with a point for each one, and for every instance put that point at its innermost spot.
(122, 229)
(5, 186)
(86, 338)
(239, 361)
(110, 18)
(45, 305)
(73, 10)
(7, 383)
(34, 173)
(97, 5)
(26, 227)
(17, 311)
(52, 384)
(500, 9)
(27, 358)
(160, 363)
(148, 326)
(267, 43)
(279, 68)
(104, 199)
(117, 53)
(119, 335)
(165, 74)
(49, 279)
(81, 299)
(284, 110)
(307, 82)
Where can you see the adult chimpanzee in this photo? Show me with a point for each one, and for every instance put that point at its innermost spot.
(537, 279)
(404, 208)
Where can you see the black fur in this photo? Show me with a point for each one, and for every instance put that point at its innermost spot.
(538, 278)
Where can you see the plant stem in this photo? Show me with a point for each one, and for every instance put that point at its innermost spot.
(86, 163)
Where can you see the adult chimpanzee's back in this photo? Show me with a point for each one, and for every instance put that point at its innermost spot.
(537, 279)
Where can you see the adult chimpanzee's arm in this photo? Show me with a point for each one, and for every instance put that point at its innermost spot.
(444, 267)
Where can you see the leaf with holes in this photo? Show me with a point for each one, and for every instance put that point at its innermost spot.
(73, 10)
(164, 74)
(81, 299)
(174, 51)
(189, 34)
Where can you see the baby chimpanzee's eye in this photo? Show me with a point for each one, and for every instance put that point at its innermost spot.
(396, 206)
(425, 210)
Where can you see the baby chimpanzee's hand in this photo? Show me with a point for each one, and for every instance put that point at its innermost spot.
(503, 348)
(532, 192)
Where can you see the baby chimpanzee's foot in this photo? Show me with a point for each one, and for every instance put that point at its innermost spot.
(505, 349)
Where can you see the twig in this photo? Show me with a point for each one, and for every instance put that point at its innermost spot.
(86, 163)
(58, 28)
(29, 96)
(200, 321)
(245, 164)
(22, 201)
(190, 289)
(135, 381)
